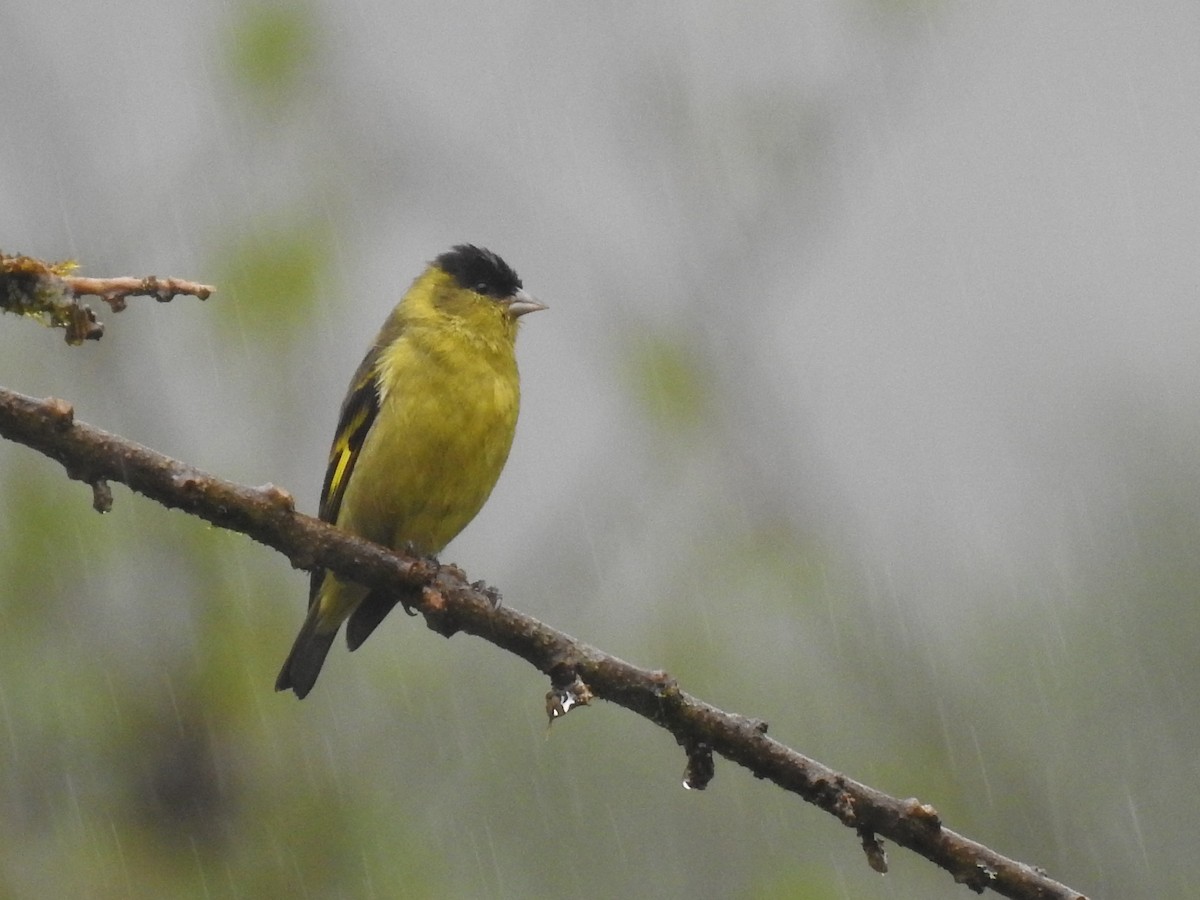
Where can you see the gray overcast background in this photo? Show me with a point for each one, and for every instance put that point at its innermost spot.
(868, 403)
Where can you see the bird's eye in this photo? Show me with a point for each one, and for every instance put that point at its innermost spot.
(482, 288)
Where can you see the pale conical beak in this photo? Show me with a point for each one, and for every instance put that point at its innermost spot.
(521, 303)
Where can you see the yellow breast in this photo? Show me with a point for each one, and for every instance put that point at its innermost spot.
(448, 412)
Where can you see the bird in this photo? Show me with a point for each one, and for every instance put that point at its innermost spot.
(422, 436)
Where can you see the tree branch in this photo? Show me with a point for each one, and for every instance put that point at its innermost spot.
(50, 293)
(577, 671)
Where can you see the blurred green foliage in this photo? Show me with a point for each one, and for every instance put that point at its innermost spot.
(668, 378)
(272, 277)
(270, 47)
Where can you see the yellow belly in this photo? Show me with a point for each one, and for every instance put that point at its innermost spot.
(430, 460)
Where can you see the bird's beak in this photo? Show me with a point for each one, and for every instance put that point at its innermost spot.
(521, 303)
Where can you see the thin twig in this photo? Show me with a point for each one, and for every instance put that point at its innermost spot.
(49, 293)
(113, 291)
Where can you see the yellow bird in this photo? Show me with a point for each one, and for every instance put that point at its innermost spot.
(422, 436)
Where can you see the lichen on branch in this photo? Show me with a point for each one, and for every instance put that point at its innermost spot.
(49, 293)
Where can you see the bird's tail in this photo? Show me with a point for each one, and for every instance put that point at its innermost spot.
(374, 609)
(303, 665)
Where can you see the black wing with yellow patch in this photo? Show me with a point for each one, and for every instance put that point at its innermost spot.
(359, 410)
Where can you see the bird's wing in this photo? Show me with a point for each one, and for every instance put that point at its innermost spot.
(358, 412)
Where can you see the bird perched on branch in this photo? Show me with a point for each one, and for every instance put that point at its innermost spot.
(421, 439)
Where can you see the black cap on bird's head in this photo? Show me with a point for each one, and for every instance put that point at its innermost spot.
(483, 272)
(479, 270)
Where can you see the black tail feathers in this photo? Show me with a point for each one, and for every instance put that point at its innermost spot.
(373, 610)
(303, 664)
